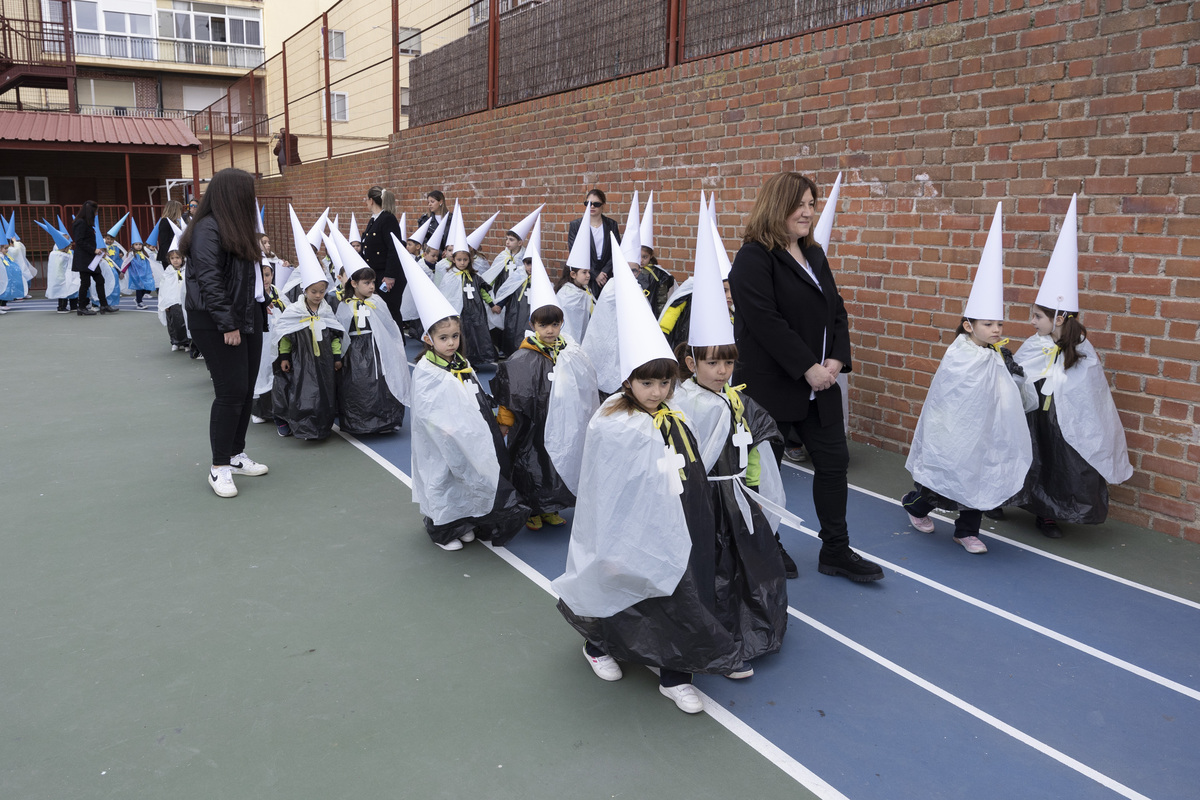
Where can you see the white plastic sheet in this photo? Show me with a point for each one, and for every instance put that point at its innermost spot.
(574, 398)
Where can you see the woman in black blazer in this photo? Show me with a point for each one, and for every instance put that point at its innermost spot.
(84, 249)
(172, 211)
(793, 340)
(601, 261)
(378, 250)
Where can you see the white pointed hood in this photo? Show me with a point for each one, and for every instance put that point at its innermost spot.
(432, 305)
(638, 336)
(258, 218)
(314, 233)
(722, 254)
(403, 227)
(541, 290)
(458, 232)
(475, 239)
(335, 258)
(310, 268)
(420, 233)
(647, 226)
(535, 240)
(987, 293)
(580, 256)
(1060, 285)
(522, 228)
(631, 240)
(824, 229)
(352, 260)
(710, 324)
(354, 234)
(437, 239)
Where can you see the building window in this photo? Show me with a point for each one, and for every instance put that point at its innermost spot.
(404, 101)
(9, 191)
(37, 190)
(337, 45)
(87, 16)
(341, 106)
(410, 41)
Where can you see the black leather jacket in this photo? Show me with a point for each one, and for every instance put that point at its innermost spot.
(220, 285)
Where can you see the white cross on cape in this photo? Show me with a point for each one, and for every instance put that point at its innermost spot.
(671, 463)
(742, 441)
(469, 290)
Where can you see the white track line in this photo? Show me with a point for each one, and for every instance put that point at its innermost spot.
(1029, 548)
(793, 768)
(963, 705)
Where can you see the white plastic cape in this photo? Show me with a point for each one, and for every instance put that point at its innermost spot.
(451, 287)
(577, 310)
(61, 282)
(512, 283)
(408, 308)
(573, 400)
(601, 343)
(710, 416)
(265, 381)
(295, 318)
(503, 261)
(972, 442)
(388, 343)
(16, 251)
(1086, 412)
(629, 540)
(681, 290)
(455, 473)
(170, 291)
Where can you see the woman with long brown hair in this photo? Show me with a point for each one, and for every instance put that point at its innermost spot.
(227, 316)
(793, 339)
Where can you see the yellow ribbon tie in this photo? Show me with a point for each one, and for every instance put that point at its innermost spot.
(459, 372)
(733, 394)
(312, 326)
(662, 421)
(998, 345)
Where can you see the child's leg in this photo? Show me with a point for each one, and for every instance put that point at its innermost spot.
(966, 530)
(670, 677)
(915, 504)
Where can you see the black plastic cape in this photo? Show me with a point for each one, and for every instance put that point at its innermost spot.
(751, 584)
(516, 318)
(1060, 485)
(522, 386)
(476, 335)
(509, 513)
(306, 396)
(682, 631)
(365, 404)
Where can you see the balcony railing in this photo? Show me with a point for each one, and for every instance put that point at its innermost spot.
(101, 111)
(220, 124)
(144, 48)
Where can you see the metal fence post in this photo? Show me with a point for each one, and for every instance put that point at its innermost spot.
(493, 94)
(395, 66)
(328, 93)
(285, 140)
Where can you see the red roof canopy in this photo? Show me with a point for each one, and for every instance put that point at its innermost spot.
(51, 130)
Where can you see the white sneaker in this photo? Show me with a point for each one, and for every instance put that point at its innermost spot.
(454, 544)
(221, 481)
(605, 667)
(923, 524)
(175, 347)
(685, 697)
(257, 420)
(744, 671)
(245, 465)
(467, 537)
(972, 544)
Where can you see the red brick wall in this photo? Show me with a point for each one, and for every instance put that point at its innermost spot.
(933, 116)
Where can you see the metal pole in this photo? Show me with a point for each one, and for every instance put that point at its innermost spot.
(493, 53)
(395, 66)
(129, 194)
(286, 144)
(212, 156)
(195, 174)
(229, 124)
(681, 29)
(672, 33)
(328, 94)
(254, 120)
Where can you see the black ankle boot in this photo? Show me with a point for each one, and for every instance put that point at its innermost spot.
(849, 563)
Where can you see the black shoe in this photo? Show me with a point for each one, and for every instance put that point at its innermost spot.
(789, 566)
(86, 311)
(850, 564)
(109, 309)
(996, 513)
(1048, 527)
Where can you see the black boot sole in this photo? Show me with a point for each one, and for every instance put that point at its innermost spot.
(825, 569)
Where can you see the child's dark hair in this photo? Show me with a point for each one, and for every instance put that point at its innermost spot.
(660, 369)
(715, 352)
(547, 315)
(1070, 336)
(653, 259)
(433, 329)
(960, 330)
(564, 278)
(363, 274)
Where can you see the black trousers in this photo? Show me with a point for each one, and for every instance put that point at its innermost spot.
(85, 286)
(234, 371)
(967, 524)
(825, 441)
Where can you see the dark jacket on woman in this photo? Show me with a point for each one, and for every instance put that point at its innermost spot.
(220, 285)
(165, 235)
(602, 261)
(379, 252)
(83, 247)
(784, 323)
